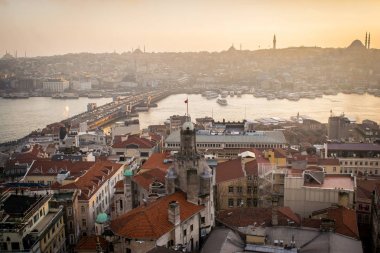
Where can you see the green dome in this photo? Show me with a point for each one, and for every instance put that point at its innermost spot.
(128, 173)
(101, 218)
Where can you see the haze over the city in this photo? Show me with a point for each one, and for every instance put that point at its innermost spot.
(44, 27)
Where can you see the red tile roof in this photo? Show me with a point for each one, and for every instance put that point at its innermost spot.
(242, 217)
(232, 169)
(146, 178)
(94, 178)
(151, 221)
(47, 167)
(365, 188)
(156, 161)
(134, 140)
(328, 161)
(88, 243)
(345, 220)
(119, 185)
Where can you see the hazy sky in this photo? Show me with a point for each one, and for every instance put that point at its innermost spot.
(47, 27)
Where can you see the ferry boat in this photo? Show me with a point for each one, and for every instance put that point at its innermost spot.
(222, 101)
(16, 95)
(65, 96)
(95, 95)
(212, 95)
(224, 94)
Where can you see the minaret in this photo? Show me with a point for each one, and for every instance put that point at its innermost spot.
(365, 40)
(369, 40)
(274, 41)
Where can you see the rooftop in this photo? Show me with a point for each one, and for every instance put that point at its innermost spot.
(134, 141)
(151, 221)
(145, 178)
(311, 240)
(232, 169)
(157, 161)
(267, 137)
(261, 216)
(335, 181)
(353, 146)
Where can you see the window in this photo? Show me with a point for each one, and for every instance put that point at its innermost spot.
(70, 225)
(128, 250)
(184, 232)
(249, 177)
(121, 204)
(4, 246)
(230, 189)
(249, 202)
(249, 189)
(203, 220)
(83, 209)
(334, 169)
(15, 246)
(191, 227)
(230, 202)
(69, 211)
(239, 202)
(170, 243)
(239, 189)
(84, 222)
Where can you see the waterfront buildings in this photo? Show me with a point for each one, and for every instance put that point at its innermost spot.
(225, 146)
(55, 85)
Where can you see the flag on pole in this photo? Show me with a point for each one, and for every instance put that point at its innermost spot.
(187, 106)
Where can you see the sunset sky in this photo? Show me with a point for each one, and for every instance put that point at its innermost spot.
(48, 27)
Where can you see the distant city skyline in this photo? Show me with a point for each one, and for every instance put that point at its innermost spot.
(43, 27)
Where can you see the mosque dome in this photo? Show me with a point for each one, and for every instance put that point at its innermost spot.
(188, 126)
(101, 218)
(356, 44)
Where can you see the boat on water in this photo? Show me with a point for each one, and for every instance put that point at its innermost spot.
(94, 95)
(271, 96)
(238, 93)
(16, 95)
(222, 101)
(212, 95)
(65, 96)
(232, 93)
(293, 96)
(224, 94)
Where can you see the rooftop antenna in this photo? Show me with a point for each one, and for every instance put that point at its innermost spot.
(366, 40)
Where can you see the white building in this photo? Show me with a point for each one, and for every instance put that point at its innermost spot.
(55, 85)
(81, 85)
(312, 189)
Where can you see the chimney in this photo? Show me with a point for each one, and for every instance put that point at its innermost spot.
(173, 213)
